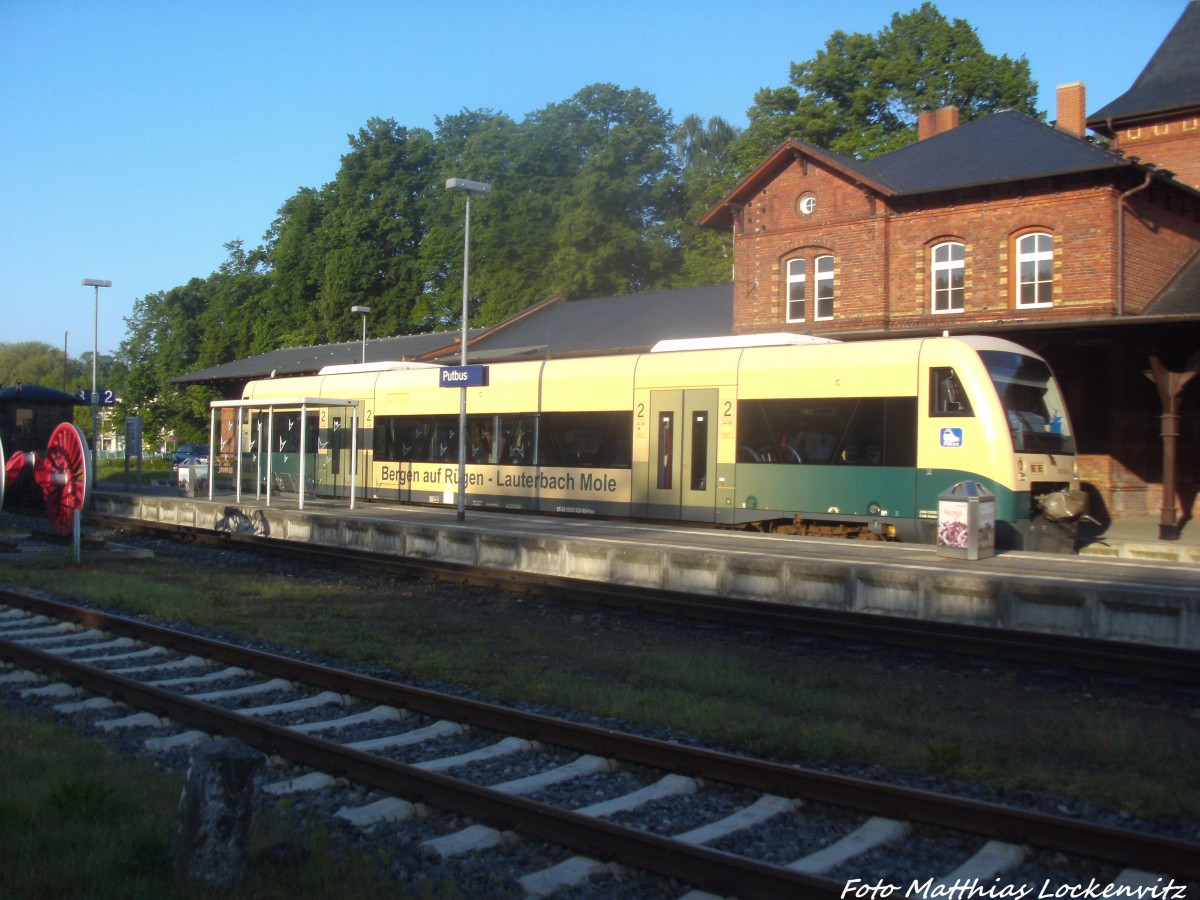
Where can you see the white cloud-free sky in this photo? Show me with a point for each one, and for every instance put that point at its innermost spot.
(138, 137)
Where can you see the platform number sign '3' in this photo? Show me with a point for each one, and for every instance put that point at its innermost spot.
(952, 437)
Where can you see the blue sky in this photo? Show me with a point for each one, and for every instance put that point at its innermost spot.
(137, 138)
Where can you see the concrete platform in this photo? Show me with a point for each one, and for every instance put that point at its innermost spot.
(1125, 586)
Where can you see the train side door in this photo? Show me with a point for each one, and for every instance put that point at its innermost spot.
(683, 455)
(333, 452)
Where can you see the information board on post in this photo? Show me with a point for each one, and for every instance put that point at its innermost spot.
(463, 376)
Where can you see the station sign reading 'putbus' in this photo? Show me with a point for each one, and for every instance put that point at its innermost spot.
(463, 376)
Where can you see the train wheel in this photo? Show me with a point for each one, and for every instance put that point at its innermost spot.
(64, 475)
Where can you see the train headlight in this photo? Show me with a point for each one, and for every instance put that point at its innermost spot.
(1020, 469)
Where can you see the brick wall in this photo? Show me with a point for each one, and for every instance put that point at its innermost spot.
(1173, 143)
(882, 253)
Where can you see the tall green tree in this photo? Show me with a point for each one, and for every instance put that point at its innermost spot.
(703, 151)
(32, 362)
(372, 228)
(861, 94)
(293, 260)
(229, 325)
(613, 217)
(509, 226)
(164, 336)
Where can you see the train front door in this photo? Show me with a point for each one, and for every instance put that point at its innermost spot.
(683, 455)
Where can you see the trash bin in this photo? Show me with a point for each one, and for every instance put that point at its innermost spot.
(193, 480)
(967, 521)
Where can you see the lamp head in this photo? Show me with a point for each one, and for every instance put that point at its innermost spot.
(472, 187)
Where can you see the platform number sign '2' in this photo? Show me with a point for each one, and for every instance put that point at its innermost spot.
(103, 397)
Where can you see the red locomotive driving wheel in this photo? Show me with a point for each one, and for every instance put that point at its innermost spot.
(64, 476)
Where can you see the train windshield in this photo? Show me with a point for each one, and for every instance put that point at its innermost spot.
(1032, 402)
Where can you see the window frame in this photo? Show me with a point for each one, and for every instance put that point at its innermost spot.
(949, 265)
(823, 280)
(1041, 287)
(800, 281)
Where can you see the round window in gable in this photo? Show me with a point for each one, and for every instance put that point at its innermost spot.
(807, 204)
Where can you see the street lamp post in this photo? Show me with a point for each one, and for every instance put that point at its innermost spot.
(95, 283)
(365, 310)
(468, 188)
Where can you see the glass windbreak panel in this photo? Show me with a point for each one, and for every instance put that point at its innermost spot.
(699, 479)
(1032, 402)
(666, 432)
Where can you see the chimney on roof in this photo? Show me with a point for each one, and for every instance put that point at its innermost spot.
(932, 122)
(1072, 112)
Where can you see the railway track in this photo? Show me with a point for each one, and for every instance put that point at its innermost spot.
(419, 749)
(1115, 657)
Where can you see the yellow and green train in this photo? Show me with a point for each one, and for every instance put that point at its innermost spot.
(780, 433)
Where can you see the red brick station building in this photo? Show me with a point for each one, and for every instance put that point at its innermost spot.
(1084, 249)
(1015, 228)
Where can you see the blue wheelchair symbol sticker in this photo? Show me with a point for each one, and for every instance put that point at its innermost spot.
(952, 437)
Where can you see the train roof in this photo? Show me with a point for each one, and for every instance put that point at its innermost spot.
(35, 393)
(739, 341)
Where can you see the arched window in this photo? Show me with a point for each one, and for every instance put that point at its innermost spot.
(824, 287)
(796, 269)
(797, 288)
(1035, 270)
(947, 267)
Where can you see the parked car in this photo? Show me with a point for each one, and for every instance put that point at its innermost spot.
(188, 455)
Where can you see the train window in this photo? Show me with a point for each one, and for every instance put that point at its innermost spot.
(666, 451)
(507, 440)
(699, 440)
(588, 439)
(401, 439)
(868, 431)
(287, 433)
(443, 439)
(1033, 405)
(23, 422)
(519, 441)
(947, 397)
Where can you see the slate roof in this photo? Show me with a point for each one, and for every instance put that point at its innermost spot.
(625, 324)
(632, 323)
(309, 360)
(1003, 147)
(1182, 296)
(1170, 81)
(1007, 146)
